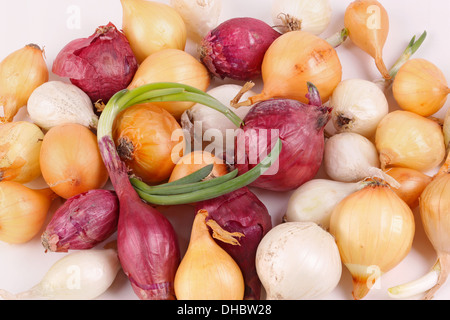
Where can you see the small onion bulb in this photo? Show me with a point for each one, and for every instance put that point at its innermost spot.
(315, 200)
(351, 157)
(311, 16)
(420, 87)
(406, 139)
(358, 106)
(298, 261)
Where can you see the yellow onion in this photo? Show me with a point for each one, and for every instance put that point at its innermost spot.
(374, 230)
(434, 206)
(151, 26)
(21, 72)
(208, 272)
(420, 87)
(143, 135)
(411, 184)
(20, 145)
(406, 139)
(172, 65)
(292, 60)
(70, 160)
(367, 23)
(196, 160)
(22, 211)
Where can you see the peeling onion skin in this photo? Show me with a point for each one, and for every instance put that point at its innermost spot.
(235, 48)
(301, 129)
(100, 65)
(241, 211)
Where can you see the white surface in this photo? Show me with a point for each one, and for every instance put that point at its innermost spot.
(53, 23)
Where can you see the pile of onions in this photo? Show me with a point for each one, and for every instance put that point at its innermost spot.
(100, 65)
(367, 23)
(144, 137)
(22, 211)
(434, 204)
(235, 48)
(172, 65)
(374, 230)
(241, 211)
(300, 127)
(20, 145)
(298, 261)
(21, 72)
(70, 160)
(151, 26)
(406, 139)
(420, 87)
(292, 60)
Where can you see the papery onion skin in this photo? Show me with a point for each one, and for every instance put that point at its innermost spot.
(82, 222)
(412, 184)
(22, 211)
(420, 87)
(292, 60)
(299, 126)
(406, 139)
(241, 211)
(172, 65)
(235, 49)
(100, 65)
(151, 26)
(20, 145)
(374, 230)
(298, 261)
(143, 135)
(21, 72)
(70, 160)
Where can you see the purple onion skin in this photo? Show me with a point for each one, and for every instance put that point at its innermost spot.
(100, 65)
(82, 222)
(147, 244)
(235, 49)
(241, 211)
(301, 129)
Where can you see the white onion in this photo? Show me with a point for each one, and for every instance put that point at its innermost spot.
(207, 127)
(315, 200)
(358, 106)
(351, 157)
(56, 102)
(81, 275)
(312, 16)
(200, 16)
(298, 261)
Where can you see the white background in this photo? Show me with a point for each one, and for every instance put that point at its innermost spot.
(48, 23)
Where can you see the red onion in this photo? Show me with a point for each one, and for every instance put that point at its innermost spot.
(241, 211)
(235, 48)
(147, 244)
(100, 65)
(82, 222)
(301, 129)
